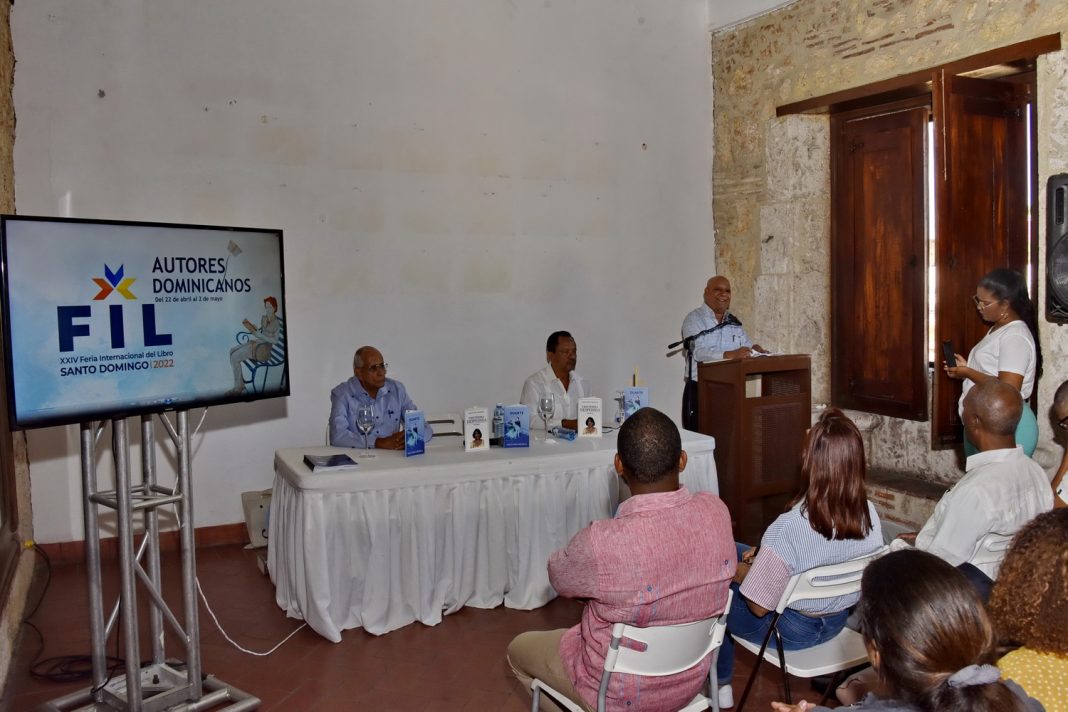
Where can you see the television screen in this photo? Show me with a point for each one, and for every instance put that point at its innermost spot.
(109, 319)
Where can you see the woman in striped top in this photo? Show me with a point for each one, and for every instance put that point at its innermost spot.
(828, 522)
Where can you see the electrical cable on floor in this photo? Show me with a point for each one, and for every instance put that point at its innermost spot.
(231, 640)
(200, 589)
(70, 668)
(61, 668)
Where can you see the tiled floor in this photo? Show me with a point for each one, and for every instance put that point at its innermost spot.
(458, 665)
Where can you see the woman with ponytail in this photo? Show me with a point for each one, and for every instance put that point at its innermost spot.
(1009, 352)
(929, 640)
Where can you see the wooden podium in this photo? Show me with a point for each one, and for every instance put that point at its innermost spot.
(758, 436)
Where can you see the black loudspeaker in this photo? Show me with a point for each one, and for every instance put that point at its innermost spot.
(1057, 248)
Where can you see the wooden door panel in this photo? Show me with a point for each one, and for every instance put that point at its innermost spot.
(878, 267)
(980, 153)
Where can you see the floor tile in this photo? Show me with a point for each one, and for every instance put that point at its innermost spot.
(457, 665)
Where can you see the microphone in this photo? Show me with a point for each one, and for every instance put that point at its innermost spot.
(728, 320)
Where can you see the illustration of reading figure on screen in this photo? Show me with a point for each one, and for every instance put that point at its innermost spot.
(259, 344)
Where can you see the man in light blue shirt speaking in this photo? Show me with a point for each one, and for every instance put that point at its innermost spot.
(728, 341)
(369, 386)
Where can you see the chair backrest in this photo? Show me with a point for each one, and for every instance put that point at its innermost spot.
(670, 649)
(828, 581)
(446, 424)
(990, 550)
(278, 349)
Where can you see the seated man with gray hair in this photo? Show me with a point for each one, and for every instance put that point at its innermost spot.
(369, 386)
(1002, 488)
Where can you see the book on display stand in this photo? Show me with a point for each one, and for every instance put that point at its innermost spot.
(516, 426)
(634, 399)
(414, 433)
(589, 417)
(476, 430)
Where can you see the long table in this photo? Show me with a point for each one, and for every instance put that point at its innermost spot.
(399, 540)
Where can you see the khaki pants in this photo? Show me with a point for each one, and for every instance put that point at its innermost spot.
(536, 654)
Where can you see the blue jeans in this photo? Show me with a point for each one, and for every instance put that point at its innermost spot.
(798, 630)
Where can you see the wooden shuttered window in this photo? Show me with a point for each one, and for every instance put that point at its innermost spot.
(879, 264)
(980, 156)
(879, 355)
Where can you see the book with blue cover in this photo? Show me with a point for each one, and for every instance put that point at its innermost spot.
(476, 430)
(414, 433)
(516, 426)
(635, 399)
(329, 463)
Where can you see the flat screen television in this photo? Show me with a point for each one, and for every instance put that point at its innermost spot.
(106, 319)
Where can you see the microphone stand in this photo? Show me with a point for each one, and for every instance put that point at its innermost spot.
(689, 391)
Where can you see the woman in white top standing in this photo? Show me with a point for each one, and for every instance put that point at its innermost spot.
(1009, 352)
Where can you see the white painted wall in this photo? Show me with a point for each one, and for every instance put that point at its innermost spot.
(725, 13)
(455, 180)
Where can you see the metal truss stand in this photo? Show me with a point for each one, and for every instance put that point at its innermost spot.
(157, 685)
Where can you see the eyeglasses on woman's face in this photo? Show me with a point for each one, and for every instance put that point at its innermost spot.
(982, 304)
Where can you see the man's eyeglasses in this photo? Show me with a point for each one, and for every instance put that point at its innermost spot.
(377, 367)
(1063, 423)
(981, 304)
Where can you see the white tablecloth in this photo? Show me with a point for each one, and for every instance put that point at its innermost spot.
(410, 539)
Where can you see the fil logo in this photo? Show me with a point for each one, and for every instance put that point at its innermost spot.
(114, 282)
(79, 320)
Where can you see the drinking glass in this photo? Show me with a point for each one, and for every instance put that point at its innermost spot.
(546, 407)
(365, 421)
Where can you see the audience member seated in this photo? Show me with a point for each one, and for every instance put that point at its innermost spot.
(1060, 413)
(559, 379)
(369, 386)
(666, 557)
(929, 639)
(1029, 607)
(829, 522)
(1001, 490)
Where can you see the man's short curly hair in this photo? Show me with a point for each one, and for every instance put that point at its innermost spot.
(649, 445)
(1029, 602)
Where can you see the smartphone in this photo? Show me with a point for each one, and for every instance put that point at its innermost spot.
(948, 354)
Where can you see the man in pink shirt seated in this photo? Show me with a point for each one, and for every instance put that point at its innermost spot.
(667, 557)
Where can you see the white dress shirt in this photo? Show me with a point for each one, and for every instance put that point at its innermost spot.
(1000, 492)
(543, 383)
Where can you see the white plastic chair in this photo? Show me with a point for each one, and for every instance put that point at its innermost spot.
(670, 649)
(842, 652)
(990, 550)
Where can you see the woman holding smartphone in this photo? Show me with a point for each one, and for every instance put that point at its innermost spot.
(828, 522)
(1009, 352)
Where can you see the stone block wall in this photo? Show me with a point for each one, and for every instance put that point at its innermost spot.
(14, 607)
(771, 175)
